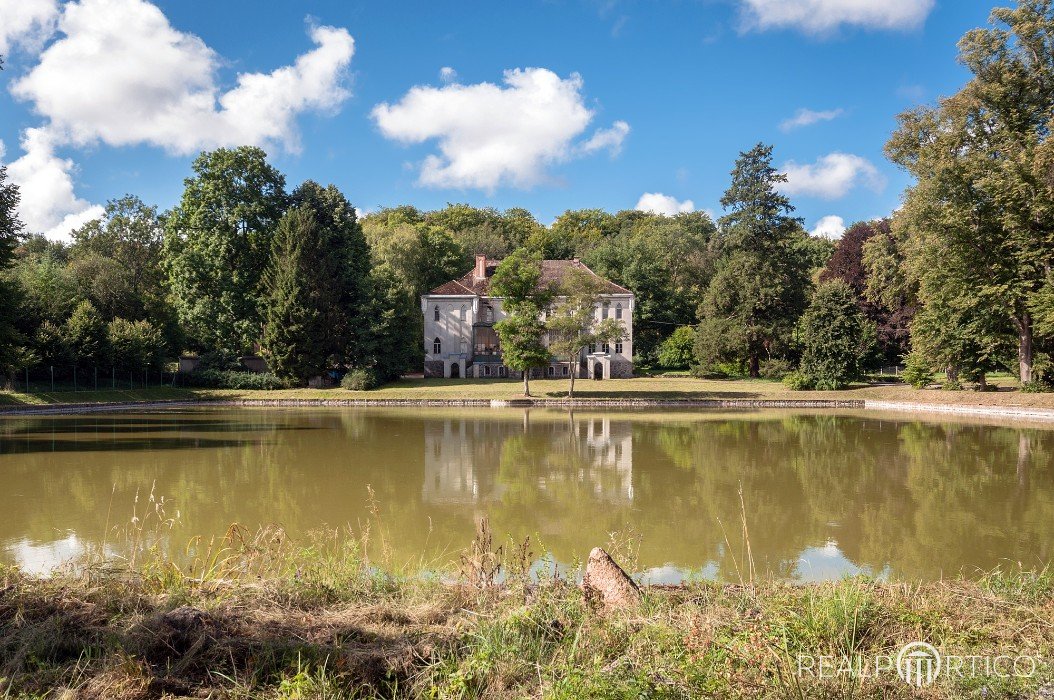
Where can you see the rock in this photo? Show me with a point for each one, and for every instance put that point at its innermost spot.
(606, 582)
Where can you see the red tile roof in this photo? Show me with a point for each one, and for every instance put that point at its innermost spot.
(553, 271)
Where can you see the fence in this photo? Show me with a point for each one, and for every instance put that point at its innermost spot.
(46, 379)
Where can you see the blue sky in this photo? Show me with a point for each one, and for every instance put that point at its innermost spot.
(667, 94)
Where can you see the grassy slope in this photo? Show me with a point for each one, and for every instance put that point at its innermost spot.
(645, 387)
(334, 628)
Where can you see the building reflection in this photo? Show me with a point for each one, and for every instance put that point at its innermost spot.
(463, 459)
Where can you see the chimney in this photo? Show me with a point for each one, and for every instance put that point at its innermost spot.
(480, 273)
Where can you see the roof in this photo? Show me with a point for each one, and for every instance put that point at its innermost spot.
(553, 272)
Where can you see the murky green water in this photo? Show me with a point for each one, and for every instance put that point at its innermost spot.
(824, 494)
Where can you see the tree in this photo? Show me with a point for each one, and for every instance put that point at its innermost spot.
(835, 337)
(516, 281)
(217, 245)
(85, 335)
(10, 235)
(572, 324)
(392, 340)
(294, 339)
(981, 196)
(135, 346)
(759, 290)
(337, 278)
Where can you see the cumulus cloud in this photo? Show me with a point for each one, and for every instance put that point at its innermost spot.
(808, 117)
(609, 139)
(823, 16)
(831, 176)
(447, 74)
(26, 23)
(490, 135)
(830, 227)
(121, 74)
(659, 203)
(49, 204)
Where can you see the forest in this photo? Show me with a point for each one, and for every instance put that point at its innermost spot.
(957, 281)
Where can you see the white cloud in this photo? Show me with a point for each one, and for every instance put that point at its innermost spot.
(490, 135)
(26, 23)
(824, 16)
(659, 203)
(808, 117)
(831, 227)
(831, 176)
(121, 74)
(447, 74)
(48, 203)
(610, 139)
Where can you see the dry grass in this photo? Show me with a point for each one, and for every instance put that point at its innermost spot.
(260, 616)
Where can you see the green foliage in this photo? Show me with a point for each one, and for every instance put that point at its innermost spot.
(294, 331)
(360, 380)
(49, 344)
(979, 218)
(917, 371)
(753, 301)
(234, 379)
(796, 381)
(392, 341)
(217, 244)
(572, 324)
(86, 336)
(517, 281)
(776, 368)
(134, 345)
(1037, 387)
(10, 297)
(678, 351)
(835, 337)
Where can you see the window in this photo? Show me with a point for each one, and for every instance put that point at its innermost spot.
(486, 370)
(502, 371)
(618, 311)
(604, 313)
(437, 313)
(618, 348)
(462, 313)
(592, 348)
(606, 348)
(437, 347)
(563, 370)
(551, 371)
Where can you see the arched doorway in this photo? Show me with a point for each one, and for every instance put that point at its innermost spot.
(598, 370)
(455, 370)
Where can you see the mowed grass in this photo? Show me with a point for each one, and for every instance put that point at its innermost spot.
(666, 388)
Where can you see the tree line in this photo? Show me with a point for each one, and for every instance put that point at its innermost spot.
(957, 281)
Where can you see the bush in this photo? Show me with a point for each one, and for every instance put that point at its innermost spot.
(678, 351)
(796, 381)
(1036, 386)
(775, 368)
(360, 380)
(917, 372)
(233, 379)
(135, 345)
(952, 385)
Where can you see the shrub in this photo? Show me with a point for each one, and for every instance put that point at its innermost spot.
(775, 368)
(796, 381)
(135, 345)
(233, 379)
(360, 380)
(952, 385)
(1036, 386)
(835, 337)
(678, 351)
(917, 372)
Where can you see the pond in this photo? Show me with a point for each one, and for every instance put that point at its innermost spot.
(821, 494)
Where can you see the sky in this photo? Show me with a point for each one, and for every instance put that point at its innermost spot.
(543, 104)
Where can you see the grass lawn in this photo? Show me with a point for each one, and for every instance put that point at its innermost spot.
(640, 388)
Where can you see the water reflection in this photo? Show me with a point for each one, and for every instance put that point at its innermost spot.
(825, 494)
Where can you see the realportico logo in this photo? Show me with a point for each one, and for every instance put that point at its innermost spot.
(919, 664)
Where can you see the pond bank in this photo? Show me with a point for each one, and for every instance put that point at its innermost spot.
(333, 627)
